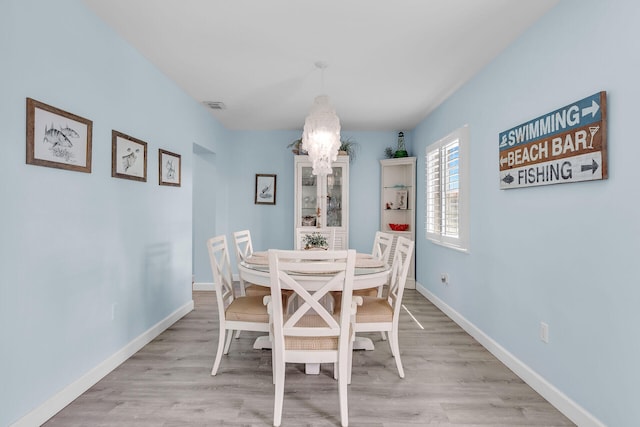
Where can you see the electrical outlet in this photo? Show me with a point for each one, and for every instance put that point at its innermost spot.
(544, 332)
(113, 311)
(444, 278)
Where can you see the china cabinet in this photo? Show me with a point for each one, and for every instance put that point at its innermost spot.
(398, 198)
(321, 202)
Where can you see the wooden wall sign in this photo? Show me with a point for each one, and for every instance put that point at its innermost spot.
(565, 145)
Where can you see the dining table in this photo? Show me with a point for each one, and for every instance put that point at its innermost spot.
(369, 273)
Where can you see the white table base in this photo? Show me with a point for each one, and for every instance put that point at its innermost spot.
(262, 343)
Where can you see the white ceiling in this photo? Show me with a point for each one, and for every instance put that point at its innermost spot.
(390, 63)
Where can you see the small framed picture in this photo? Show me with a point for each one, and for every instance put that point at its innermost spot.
(170, 168)
(265, 189)
(128, 157)
(57, 139)
(401, 199)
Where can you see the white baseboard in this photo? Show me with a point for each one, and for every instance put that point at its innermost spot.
(67, 395)
(203, 286)
(210, 286)
(561, 401)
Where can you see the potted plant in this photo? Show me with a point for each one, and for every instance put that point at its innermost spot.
(296, 147)
(315, 240)
(389, 152)
(348, 147)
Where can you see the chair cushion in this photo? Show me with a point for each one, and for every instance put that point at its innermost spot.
(256, 290)
(374, 310)
(371, 292)
(337, 296)
(253, 290)
(247, 309)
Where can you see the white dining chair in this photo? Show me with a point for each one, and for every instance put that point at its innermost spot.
(244, 250)
(311, 333)
(235, 313)
(328, 233)
(382, 314)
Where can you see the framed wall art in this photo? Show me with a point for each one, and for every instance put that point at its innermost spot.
(265, 189)
(170, 168)
(128, 157)
(57, 139)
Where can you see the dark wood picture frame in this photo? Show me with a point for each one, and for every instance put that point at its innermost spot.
(170, 168)
(57, 138)
(265, 192)
(128, 157)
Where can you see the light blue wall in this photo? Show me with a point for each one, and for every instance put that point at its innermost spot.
(72, 244)
(564, 254)
(267, 152)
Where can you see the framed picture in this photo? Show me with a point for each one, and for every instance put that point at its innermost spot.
(57, 139)
(265, 189)
(170, 168)
(128, 157)
(401, 199)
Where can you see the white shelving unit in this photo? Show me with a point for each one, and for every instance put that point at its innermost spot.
(323, 202)
(398, 198)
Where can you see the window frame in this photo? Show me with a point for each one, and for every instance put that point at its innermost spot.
(439, 237)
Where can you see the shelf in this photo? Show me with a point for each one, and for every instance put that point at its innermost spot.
(398, 189)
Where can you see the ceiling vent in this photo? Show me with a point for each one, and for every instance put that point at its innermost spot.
(215, 105)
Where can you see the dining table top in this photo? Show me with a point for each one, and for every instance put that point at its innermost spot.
(369, 272)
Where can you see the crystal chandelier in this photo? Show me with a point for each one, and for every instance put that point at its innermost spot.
(321, 133)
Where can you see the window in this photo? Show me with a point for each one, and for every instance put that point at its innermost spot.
(446, 165)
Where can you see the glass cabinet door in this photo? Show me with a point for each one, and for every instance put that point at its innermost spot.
(334, 197)
(309, 197)
(322, 201)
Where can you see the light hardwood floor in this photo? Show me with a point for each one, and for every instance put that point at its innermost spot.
(451, 380)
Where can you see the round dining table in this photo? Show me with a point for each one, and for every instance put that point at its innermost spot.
(369, 273)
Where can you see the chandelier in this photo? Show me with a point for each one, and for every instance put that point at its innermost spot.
(321, 133)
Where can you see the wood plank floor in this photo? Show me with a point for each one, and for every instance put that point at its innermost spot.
(451, 380)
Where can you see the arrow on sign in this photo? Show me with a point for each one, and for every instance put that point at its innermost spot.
(593, 109)
(503, 160)
(593, 167)
(508, 179)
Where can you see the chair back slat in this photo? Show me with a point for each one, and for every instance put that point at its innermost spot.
(311, 302)
(243, 245)
(399, 270)
(382, 244)
(221, 268)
